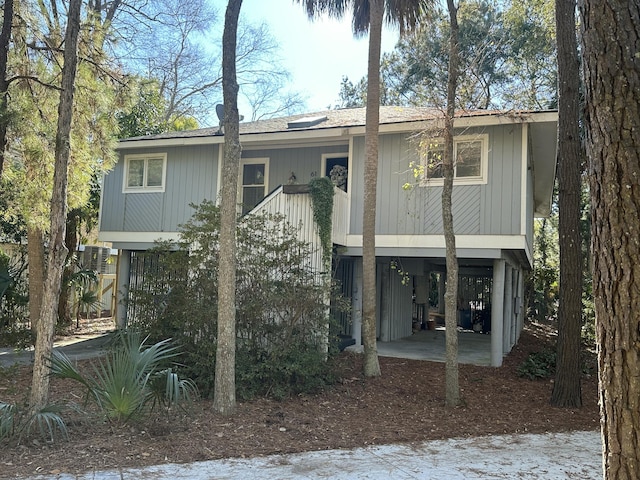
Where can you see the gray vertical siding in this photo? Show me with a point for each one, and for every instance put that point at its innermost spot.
(112, 200)
(491, 209)
(502, 194)
(304, 162)
(401, 308)
(192, 176)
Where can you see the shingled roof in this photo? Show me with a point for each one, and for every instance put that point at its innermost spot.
(340, 118)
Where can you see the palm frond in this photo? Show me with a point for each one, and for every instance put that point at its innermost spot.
(61, 366)
(169, 389)
(8, 414)
(46, 422)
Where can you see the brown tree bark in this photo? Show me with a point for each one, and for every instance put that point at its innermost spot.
(224, 397)
(452, 385)
(57, 249)
(610, 36)
(566, 388)
(35, 254)
(371, 365)
(71, 242)
(5, 40)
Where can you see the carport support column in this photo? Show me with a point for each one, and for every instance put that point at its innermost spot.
(508, 309)
(497, 312)
(356, 302)
(441, 288)
(519, 304)
(122, 287)
(385, 301)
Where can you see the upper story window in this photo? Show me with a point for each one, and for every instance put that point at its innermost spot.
(470, 154)
(145, 172)
(254, 182)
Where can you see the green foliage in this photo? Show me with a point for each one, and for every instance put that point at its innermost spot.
(280, 308)
(279, 373)
(150, 114)
(35, 64)
(507, 52)
(12, 225)
(540, 364)
(85, 283)
(321, 189)
(396, 265)
(131, 379)
(546, 268)
(17, 423)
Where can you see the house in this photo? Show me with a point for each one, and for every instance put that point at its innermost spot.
(504, 178)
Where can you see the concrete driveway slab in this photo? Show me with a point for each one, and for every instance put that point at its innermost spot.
(552, 456)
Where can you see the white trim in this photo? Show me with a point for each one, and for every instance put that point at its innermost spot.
(523, 180)
(338, 142)
(483, 138)
(143, 188)
(137, 237)
(252, 161)
(480, 242)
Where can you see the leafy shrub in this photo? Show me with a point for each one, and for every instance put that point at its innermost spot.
(282, 322)
(540, 364)
(279, 374)
(132, 378)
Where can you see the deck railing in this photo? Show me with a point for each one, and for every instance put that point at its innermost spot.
(340, 219)
(294, 202)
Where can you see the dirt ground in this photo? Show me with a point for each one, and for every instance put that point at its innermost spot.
(404, 405)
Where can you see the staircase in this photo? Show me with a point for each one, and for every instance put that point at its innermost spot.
(294, 202)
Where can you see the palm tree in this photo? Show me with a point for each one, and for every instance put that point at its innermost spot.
(368, 16)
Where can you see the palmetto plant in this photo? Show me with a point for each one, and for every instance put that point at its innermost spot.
(16, 423)
(131, 379)
(85, 283)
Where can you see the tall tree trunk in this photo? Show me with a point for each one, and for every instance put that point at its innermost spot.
(224, 397)
(566, 388)
(71, 242)
(371, 364)
(57, 249)
(452, 387)
(35, 254)
(5, 40)
(610, 35)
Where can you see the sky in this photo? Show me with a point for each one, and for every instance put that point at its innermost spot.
(317, 54)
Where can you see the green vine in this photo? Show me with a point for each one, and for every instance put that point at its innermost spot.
(321, 189)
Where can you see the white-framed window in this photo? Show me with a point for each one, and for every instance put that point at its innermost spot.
(254, 181)
(470, 160)
(336, 167)
(145, 173)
